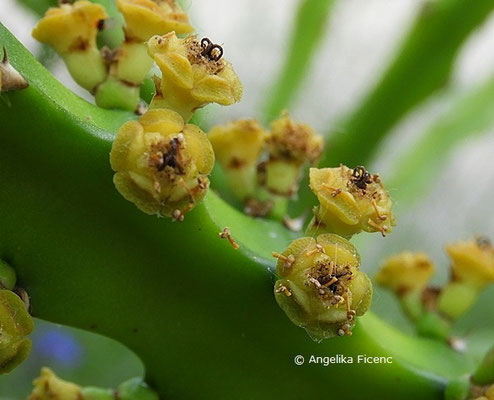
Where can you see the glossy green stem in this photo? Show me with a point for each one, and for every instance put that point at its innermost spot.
(200, 315)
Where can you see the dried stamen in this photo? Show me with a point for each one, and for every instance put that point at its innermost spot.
(285, 290)
(382, 217)
(178, 215)
(383, 229)
(287, 260)
(334, 191)
(226, 234)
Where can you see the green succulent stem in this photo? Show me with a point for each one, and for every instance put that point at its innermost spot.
(192, 308)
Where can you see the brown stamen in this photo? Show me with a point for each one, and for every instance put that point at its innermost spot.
(226, 234)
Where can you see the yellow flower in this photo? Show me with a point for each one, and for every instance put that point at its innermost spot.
(162, 164)
(49, 387)
(290, 145)
(292, 141)
(351, 200)
(145, 18)
(320, 286)
(473, 262)
(237, 147)
(405, 272)
(70, 27)
(238, 143)
(193, 74)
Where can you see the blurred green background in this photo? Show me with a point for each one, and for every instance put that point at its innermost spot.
(324, 61)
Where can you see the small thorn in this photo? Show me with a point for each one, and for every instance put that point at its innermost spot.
(10, 78)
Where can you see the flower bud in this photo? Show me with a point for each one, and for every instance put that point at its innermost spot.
(15, 324)
(71, 29)
(146, 18)
(321, 288)
(473, 262)
(351, 200)
(471, 270)
(290, 145)
(405, 272)
(237, 147)
(193, 74)
(162, 164)
(49, 387)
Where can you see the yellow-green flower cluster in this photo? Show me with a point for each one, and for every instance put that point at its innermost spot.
(162, 164)
(350, 201)
(263, 166)
(434, 309)
(194, 73)
(320, 286)
(113, 76)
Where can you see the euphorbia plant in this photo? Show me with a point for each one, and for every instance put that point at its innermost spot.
(201, 315)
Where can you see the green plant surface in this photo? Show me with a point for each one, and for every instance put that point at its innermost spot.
(192, 308)
(308, 31)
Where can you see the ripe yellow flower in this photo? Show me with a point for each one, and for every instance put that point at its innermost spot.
(321, 288)
(49, 387)
(290, 145)
(351, 200)
(193, 74)
(71, 29)
(237, 147)
(146, 18)
(162, 164)
(405, 272)
(473, 262)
